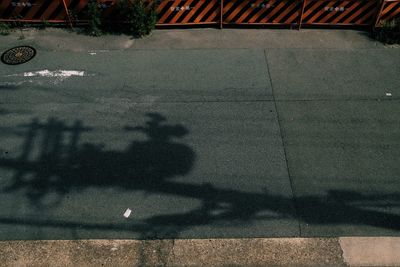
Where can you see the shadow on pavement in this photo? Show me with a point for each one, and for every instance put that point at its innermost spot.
(63, 165)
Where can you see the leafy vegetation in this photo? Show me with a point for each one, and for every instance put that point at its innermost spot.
(389, 32)
(130, 16)
(95, 20)
(138, 19)
(4, 29)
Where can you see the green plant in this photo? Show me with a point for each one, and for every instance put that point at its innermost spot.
(389, 32)
(45, 23)
(72, 16)
(4, 29)
(138, 19)
(94, 14)
(19, 24)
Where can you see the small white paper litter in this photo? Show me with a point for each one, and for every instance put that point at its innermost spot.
(388, 94)
(127, 213)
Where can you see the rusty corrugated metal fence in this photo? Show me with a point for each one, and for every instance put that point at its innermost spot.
(33, 10)
(188, 12)
(339, 12)
(389, 9)
(277, 12)
(299, 13)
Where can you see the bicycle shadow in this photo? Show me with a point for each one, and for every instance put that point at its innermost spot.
(60, 166)
(53, 161)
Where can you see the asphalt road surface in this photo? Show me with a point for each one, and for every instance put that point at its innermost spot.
(201, 143)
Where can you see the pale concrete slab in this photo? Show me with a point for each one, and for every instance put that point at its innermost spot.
(371, 251)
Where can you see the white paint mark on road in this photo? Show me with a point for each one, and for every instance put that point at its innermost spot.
(127, 213)
(56, 73)
(59, 75)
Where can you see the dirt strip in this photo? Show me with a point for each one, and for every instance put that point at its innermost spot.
(188, 252)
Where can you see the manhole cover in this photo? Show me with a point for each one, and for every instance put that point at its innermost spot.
(18, 55)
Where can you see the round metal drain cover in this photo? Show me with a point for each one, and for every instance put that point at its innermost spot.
(18, 55)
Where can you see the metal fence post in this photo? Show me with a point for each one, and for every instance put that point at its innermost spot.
(67, 14)
(301, 14)
(379, 13)
(221, 12)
